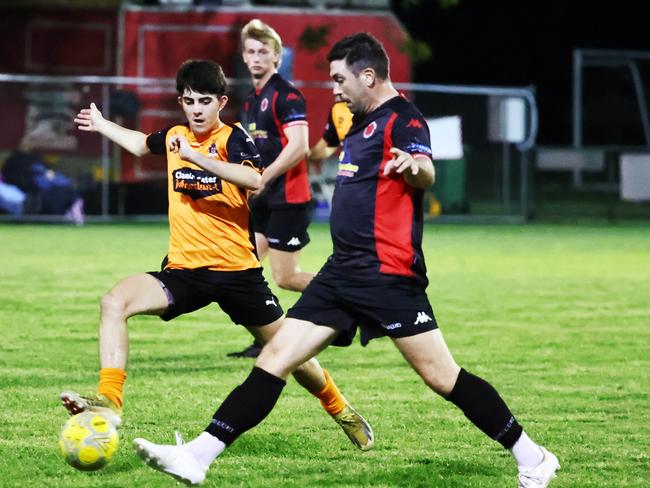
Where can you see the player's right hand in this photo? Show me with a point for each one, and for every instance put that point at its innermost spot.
(87, 118)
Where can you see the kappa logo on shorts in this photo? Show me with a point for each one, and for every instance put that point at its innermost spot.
(271, 302)
(422, 318)
(294, 241)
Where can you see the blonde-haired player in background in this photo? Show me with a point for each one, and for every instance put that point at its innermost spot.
(275, 115)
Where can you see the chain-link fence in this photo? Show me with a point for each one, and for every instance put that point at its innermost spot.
(480, 138)
(483, 138)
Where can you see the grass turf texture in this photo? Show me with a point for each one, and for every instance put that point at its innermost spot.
(556, 317)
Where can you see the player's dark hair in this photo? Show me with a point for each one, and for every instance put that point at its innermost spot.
(201, 76)
(361, 51)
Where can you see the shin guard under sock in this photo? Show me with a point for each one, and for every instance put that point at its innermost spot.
(246, 406)
(481, 404)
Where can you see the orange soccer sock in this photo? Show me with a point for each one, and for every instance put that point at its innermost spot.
(111, 382)
(330, 397)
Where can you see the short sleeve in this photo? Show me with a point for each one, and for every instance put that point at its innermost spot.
(290, 107)
(411, 134)
(156, 141)
(330, 135)
(242, 150)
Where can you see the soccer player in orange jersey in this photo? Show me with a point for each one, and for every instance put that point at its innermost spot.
(211, 168)
(338, 123)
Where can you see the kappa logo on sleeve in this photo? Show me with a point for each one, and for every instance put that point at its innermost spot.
(292, 96)
(196, 183)
(414, 124)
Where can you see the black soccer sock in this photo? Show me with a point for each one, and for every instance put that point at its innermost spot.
(481, 404)
(246, 406)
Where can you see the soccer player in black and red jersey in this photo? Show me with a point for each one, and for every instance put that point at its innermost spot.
(375, 279)
(275, 116)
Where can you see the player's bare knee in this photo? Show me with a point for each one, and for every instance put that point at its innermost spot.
(270, 351)
(272, 360)
(284, 281)
(113, 305)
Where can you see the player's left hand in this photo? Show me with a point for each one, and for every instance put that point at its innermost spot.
(179, 145)
(401, 162)
(260, 190)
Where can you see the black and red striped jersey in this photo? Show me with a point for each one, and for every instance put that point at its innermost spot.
(267, 113)
(377, 221)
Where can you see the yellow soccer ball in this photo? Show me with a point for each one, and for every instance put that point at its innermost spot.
(88, 441)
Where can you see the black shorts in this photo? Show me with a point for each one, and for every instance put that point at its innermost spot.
(244, 295)
(285, 229)
(379, 307)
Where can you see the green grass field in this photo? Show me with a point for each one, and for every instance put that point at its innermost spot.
(557, 318)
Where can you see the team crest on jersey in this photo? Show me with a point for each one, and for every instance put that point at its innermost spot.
(196, 183)
(264, 105)
(369, 130)
(212, 150)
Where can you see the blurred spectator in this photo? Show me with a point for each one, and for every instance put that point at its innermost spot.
(12, 199)
(46, 191)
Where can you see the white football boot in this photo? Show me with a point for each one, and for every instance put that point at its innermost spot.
(176, 461)
(542, 474)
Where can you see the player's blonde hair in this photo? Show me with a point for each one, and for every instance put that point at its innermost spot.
(259, 31)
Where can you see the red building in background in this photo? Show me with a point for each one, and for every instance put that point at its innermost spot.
(151, 42)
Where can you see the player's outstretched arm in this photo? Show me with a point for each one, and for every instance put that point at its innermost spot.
(92, 120)
(417, 171)
(237, 174)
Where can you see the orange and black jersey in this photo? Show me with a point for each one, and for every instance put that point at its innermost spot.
(338, 124)
(208, 217)
(267, 113)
